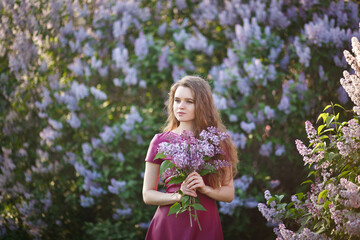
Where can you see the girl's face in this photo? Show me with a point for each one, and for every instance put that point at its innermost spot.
(184, 105)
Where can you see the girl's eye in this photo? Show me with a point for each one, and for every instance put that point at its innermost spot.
(189, 101)
(177, 100)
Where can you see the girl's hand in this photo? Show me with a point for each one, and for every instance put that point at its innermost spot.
(186, 190)
(195, 182)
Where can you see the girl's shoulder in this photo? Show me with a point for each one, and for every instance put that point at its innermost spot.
(164, 136)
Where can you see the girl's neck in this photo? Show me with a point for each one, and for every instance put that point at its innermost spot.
(184, 126)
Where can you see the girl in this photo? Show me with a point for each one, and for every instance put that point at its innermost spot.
(191, 108)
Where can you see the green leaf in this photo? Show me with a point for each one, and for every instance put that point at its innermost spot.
(328, 106)
(199, 207)
(177, 179)
(165, 165)
(326, 204)
(323, 116)
(329, 120)
(337, 105)
(174, 208)
(185, 199)
(159, 155)
(343, 174)
(300, 195)
(323, 195)
(321, 127)
(209, 169)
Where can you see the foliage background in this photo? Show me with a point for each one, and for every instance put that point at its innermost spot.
(83, 86)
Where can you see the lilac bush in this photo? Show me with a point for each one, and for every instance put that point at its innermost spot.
(83, 86)
(329, 210)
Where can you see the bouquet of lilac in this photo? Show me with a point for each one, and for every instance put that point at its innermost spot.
(188, 154)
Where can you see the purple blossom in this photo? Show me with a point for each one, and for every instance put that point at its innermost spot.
(229, 208)
(86, 201)
(269, 112)
(120, 55)
(266, 149)
(127, 212)
(141, 46)
(188, 153)
(109, 133)
(162, 29)
(239, 140)
(279, 150)
(131, 76)
(302, 51)
(177, 73)
(220, 101)
(180, 36)
(76, 67)
(74, 120)
(247, 127)
(342, 95)
(117, 186)
(243, 182)
(80, 91)
(163, 62)
(98, 94)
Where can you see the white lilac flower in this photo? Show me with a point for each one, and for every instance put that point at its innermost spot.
(80, 91)
(247, 127)
(74, 120)
(141, 46)
(98, 94)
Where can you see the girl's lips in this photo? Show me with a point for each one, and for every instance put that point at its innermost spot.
(180, 113)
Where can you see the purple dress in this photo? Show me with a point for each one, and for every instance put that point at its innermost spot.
(175, 227)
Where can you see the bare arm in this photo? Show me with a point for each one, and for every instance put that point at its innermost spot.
(224, 193)
(150, 194)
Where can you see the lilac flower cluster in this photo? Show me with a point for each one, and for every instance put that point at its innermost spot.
(188, 153)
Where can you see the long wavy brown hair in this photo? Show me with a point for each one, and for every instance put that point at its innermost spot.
(206, 115)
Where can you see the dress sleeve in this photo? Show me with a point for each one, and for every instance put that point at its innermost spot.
(152, 151)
